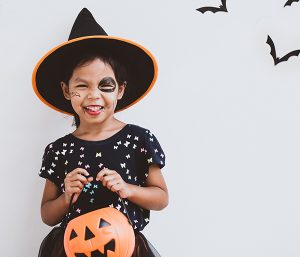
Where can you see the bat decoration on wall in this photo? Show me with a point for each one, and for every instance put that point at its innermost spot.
(221, 8)
(273, 52)
(289, 2)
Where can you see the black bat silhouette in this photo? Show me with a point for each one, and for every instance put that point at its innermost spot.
(273, 52)
(221, 8)
(289, 2)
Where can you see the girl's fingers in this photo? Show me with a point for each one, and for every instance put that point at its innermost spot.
(76, 183)
(78, 177)
(78, 171)
(115, 188)
(103, 173)
(110, 180)
(71, 190)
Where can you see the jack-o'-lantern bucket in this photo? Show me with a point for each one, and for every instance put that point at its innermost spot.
(105, 232)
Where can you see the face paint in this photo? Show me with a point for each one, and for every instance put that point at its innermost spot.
(107, 85)
(75, 94)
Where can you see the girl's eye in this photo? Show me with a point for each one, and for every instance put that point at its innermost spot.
(81, 86)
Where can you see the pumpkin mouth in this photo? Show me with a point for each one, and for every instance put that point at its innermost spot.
(109, 246)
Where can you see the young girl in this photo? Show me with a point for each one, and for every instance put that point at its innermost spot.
(92, 76)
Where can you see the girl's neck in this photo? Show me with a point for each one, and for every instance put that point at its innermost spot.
(99, 131)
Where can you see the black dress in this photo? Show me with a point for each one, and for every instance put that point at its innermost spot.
(130, 152)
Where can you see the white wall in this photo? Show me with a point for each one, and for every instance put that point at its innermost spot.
(227, 118)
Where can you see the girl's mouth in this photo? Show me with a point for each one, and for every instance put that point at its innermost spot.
(94, 109)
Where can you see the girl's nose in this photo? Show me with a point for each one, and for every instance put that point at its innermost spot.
(94, 94)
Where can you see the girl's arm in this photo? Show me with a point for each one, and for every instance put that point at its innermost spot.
(154, 196)
(53, 206)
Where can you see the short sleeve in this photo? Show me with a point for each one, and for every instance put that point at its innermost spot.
(50, 166)
(153, 151)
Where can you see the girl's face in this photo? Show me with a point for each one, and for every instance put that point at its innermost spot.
(93, 91)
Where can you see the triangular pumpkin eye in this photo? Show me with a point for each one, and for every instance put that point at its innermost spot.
(73, 234)
(103, 223)
(88, 234)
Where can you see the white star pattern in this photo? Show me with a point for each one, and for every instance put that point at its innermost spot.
(135, 148)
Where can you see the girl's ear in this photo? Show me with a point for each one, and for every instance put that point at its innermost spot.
(65, 90)
(121, 90)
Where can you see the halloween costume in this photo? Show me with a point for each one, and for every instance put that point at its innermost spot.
(130, 152)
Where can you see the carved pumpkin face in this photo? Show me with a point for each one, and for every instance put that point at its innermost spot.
(102, 233)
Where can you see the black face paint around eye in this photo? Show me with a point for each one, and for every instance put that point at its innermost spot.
(108, 85)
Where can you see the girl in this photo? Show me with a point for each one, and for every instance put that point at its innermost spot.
(104, 158)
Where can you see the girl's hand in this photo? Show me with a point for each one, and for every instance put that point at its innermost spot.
(114, 182)
(74, 183)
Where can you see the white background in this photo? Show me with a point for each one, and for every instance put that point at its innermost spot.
(226, 117)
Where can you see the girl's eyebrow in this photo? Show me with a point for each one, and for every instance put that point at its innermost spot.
(78, 79)
(107, 80)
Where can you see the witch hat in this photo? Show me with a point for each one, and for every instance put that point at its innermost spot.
(87, 34)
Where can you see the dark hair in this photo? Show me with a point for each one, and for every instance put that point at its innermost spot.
(118, 69)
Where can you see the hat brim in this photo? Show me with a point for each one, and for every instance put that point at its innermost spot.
(140, 64)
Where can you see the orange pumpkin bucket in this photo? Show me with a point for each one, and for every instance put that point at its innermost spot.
(105, 232)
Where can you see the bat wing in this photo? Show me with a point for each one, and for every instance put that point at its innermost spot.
(208, 9)
(224, 6)
(273, 50)
(289, 2)
(287, 56)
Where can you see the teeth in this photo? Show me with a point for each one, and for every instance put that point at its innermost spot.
(94, 108)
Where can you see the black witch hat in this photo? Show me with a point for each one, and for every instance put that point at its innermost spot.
(87, 34)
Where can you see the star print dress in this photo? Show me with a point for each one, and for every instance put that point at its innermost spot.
(130, 152)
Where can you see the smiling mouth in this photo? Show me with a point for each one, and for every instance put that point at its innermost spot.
(93, 109)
